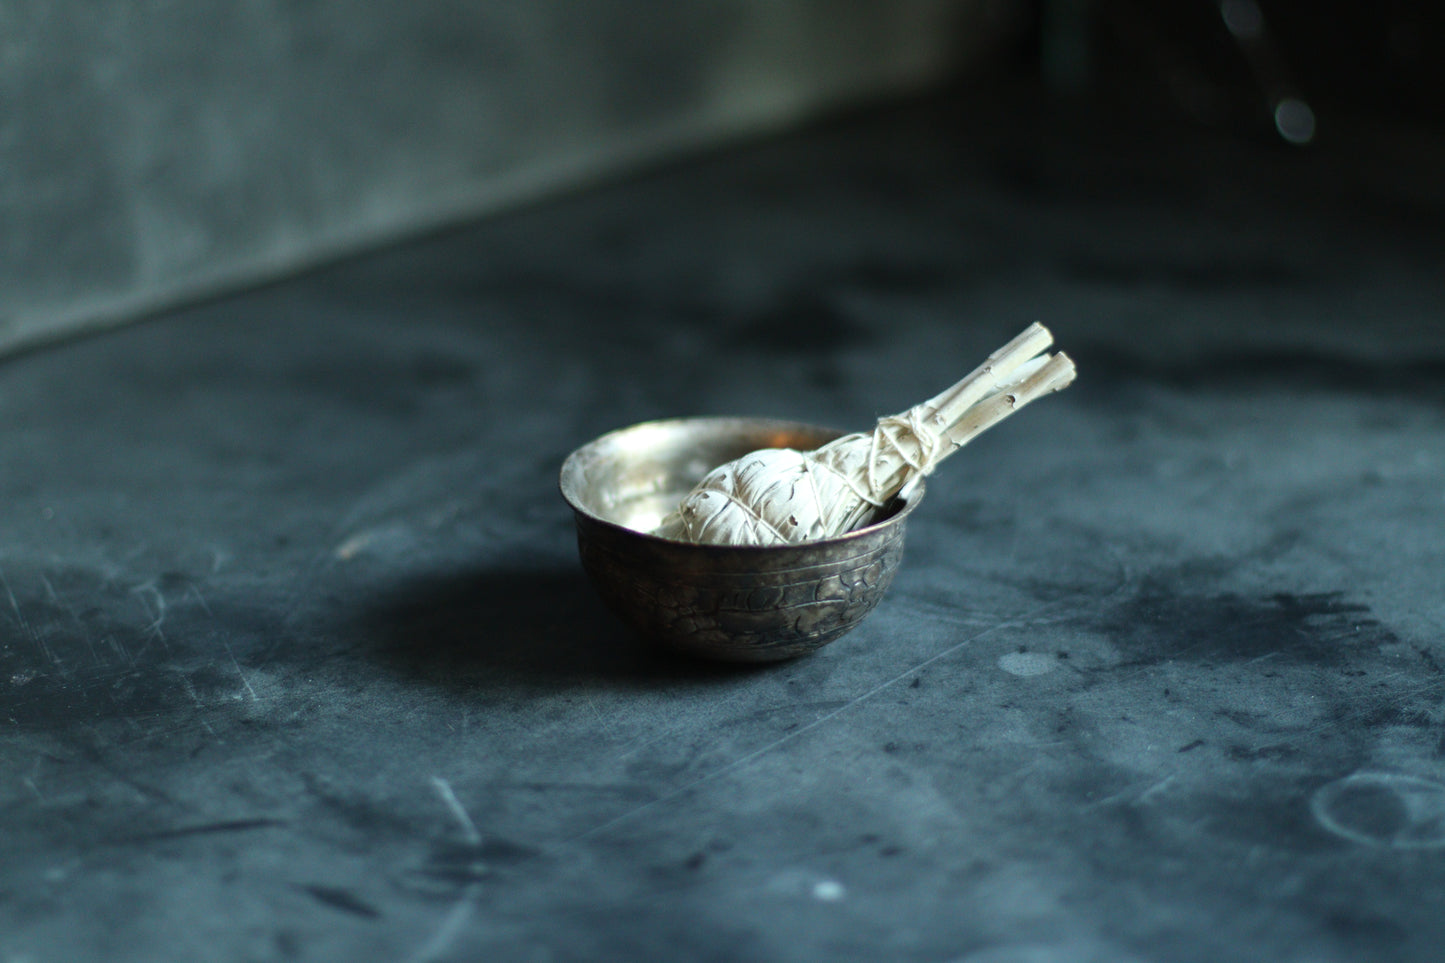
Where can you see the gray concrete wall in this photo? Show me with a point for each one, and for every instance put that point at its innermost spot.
(153, 151)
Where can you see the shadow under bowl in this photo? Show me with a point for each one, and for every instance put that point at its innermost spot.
(739, 604)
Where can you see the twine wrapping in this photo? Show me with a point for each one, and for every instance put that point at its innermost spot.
(779, 496)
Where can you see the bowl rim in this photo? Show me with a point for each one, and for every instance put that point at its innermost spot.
(908, 499)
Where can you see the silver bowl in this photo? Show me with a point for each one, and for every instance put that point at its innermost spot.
(720, 602)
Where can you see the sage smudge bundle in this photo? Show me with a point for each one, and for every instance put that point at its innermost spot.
(779, 496)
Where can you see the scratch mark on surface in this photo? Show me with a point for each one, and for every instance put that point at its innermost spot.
(192, 590)
(27, 629)
(469, 828)
(821, 720)
(156, 613)
(1138, 798)
(118, 647)
(340, 899)
(244, 681)
(633, 750)
(14, 603)
(205, 829)
(450, 928)
(1262, 658)
(1155, 789)
(461, 912)
(186, 685)
(1111, 799)
(195, 698)
(604, 723)
(952, 614)
(50, 591)
(139, 734)
(64, 605)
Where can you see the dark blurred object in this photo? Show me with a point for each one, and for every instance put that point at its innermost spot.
(1282, 66)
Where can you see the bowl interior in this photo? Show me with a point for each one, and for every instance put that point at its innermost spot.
(634, 476)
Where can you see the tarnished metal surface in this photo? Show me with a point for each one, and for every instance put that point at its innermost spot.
(738, 604)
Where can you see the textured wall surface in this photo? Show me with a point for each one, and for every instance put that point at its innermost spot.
(153, 150)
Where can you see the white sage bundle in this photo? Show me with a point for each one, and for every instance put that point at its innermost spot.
(778, 496)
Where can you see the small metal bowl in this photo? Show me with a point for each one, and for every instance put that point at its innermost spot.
(719, 602)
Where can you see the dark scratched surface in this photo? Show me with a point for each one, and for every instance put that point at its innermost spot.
(297, 663)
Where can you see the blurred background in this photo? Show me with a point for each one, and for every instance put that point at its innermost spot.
(152, 152)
